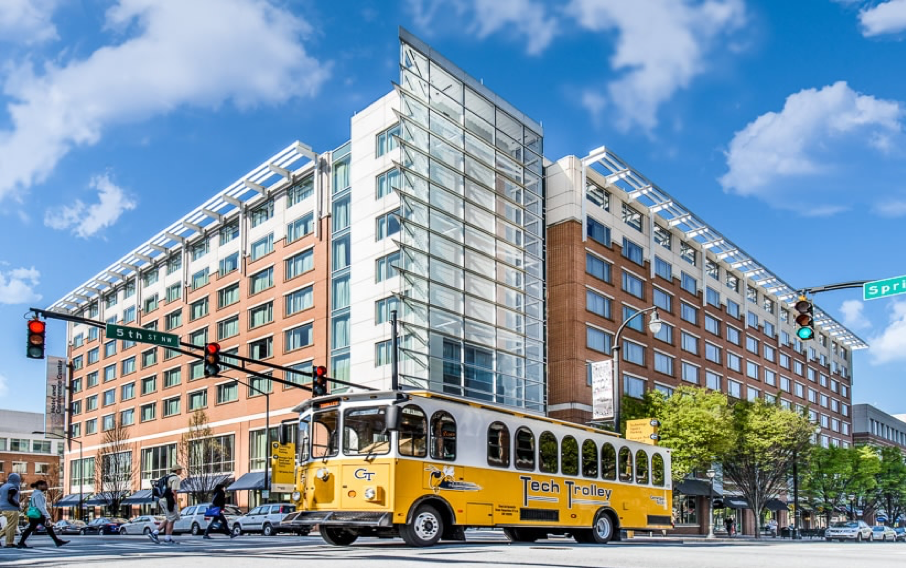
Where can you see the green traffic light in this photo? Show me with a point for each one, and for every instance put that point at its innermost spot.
(805, 333)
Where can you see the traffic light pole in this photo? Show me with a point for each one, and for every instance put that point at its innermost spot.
(832, 287)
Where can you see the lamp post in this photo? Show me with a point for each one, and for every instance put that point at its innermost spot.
(796, 532)
(852, 505)
(711, 473)
(81, 464)
(265, 493)
(654, 325)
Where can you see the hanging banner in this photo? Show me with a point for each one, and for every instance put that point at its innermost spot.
(55, 411)
(602, 391)
(283, 467)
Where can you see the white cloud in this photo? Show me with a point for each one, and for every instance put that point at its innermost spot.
(594, 103)
(885, 18)
(528, 19)
(161, 56)
(804, 142)
(27, 21)
(891, 208)
(17, 286)
(86, 220)
(890, 345)
(662, 46)
(853, 315)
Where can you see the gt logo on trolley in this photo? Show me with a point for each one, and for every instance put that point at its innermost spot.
(363, 473)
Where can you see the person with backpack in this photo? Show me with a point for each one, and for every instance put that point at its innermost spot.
(9, 507)
(165, 489)
(218, 503)
(38, 515)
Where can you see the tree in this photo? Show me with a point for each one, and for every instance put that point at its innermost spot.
(832, 474)
(54, 480)
(201, 453)
(114, 472)
(889, 493)
(764, 439)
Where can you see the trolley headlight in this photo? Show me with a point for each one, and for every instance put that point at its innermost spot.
(296, 496)
(322, 474)
(370, 493)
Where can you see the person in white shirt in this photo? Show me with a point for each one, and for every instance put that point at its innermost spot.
(169, 506)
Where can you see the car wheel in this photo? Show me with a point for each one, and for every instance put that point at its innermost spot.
(147, 531)
(267, 530)
(871, 538)
(196, 530)
(83, 531)
(425, 529)
(338, 536)
(237, 530)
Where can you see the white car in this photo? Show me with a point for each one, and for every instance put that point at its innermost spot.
(192, 519)
(266, 520)
(849, 530)
(884, 534)
(143, 524)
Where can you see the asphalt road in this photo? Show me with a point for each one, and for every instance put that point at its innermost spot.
(482, 548)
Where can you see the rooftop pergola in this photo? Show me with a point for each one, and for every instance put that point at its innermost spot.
(255, 186)
(636, 187)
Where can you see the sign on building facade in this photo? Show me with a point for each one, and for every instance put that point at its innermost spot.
(55, 411)
(602, 392)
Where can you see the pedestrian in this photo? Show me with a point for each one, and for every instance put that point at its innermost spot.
(169, 507)
(9, 506)
(218, 503)
(732, 527)
(38, 506)
(728, 522)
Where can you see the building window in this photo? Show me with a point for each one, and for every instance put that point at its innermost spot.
(108, 422)
(734, 362)
(712, 296)
(385, 267)
(663, 363)
(198, 309)
(598, 340)
(173, 319)
(632, 217)
(261, 281)
(129, 314)
(304, 225)
(734, 389)
(127, 417)
(172, 377)
(200, 278)
(597, 304)
(301, 190)
(199, 249)
(733, 336)
(148, 412)
(174, 292)
(109, 372)
(752, 345)
(110, 349)
(149, 304)
(662, 299)
(196, 370)
(300, 263)
(633, 386)
(633, 252)
(298, 337)
(229, 232)
(91, 379)
(150, 276)
(689, 342)
(665, 334)
(732, 309)
(712, 325)
(262, 348)
(199, 337)
(751, 370)
(598, 232)
(128, 366)
(635, 323)
(171, 406)
(261, 213)
(662, 237)
(690, 373)
(228, 296)
(127, 391)
(770, 377)
(227, 392)
(633, 353)
(382, 351)
(198, 400)
(228, 328)
(386, 225)
(712, 380)
(262, 247)
(386, 140)
(663, 269)
(687, 253)
(689, 313)
(633, 285)
(713, 353)
(228, 264)
(260, 315)
(597, 267)
(688, 283)
(382, 309)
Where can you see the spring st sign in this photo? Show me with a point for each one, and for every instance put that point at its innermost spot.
(884, 288)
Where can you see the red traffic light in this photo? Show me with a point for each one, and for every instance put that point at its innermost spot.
(34, 348)
(320, 371)
(212, 348)
(36, 326)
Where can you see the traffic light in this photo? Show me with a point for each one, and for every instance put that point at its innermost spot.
(35, 347)
(806, 319)
(319, 381)
(211, 359)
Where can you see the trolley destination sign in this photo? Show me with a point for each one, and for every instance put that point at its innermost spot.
(142, 335)
(883, 288)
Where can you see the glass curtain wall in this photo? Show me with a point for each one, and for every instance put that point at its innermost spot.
(472, 238)
(340, 266)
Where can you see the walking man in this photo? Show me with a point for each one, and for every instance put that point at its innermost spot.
(218, 502)
(9, 507)
(169, 507)
(39, 502)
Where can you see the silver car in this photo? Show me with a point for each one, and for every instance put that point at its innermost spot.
(266, 520)
(192, 518)
(884, 534)
(142, 524)
(849, 530)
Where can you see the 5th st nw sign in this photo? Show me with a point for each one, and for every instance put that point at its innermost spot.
(142, 335)
(884, 288)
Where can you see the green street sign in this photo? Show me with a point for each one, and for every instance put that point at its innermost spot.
(884, 288)
(142, 335)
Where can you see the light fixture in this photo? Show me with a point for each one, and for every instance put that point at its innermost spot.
(654, 323)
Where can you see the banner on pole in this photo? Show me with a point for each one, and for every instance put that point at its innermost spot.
(602, 391)
(55, 411)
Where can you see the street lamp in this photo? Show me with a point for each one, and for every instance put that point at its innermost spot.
(711, 473)
(81, 464)
(654, 325)
(265, 493)
(795, 533)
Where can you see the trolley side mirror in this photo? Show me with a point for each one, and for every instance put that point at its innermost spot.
(392, 418)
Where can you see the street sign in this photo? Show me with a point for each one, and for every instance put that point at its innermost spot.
(283, 467)
(602, 392)
(644, 430)
(884, 288)
(142, 335)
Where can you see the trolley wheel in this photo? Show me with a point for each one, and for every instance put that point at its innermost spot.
(602, 531)
(520, 535)
(426, 527)
(338, 536)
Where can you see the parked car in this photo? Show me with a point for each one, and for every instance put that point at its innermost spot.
(849, 530)
(192, 519)
(69, 526)
(901, 533)
(143, 524)
(266, 520)
(884, 534)
(104, 525)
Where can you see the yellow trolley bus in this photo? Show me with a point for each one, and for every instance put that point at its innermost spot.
(426, 466)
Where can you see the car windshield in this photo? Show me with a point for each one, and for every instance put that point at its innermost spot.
(846, 525)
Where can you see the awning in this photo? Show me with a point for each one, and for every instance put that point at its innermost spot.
(736, 503)
(248, 482)
(72, 500)
(140, 498)
(695, 487)
(190, 484)
(96, 500)
(775, 505)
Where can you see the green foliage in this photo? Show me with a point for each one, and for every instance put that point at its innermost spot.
(889, 492)
(831, 474)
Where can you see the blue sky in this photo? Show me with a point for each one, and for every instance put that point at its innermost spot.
(779, 123)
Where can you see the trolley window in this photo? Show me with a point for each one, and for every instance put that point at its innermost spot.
(641, 467)
(525, 449)
(365, 432)
(657, 470)
(413, 432)
(443, 436)
(304, 439)
(498, 445)
(324, 440)
(625, 465)
(547, 453)
(569, 456)
(589, 458)
(608, 462)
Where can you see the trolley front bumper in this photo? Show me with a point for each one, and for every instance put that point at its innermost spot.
(338, 518)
